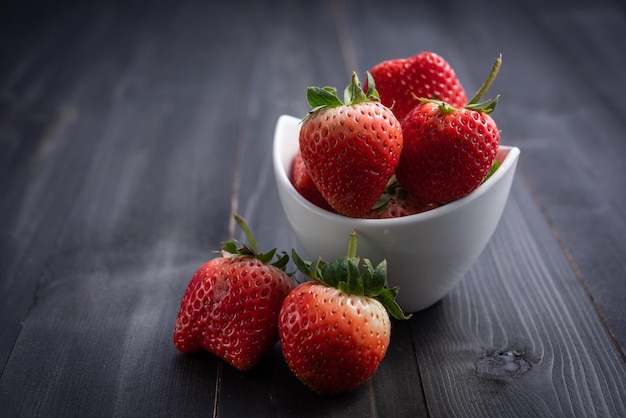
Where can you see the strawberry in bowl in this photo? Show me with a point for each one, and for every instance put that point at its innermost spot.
(350, 149)
(427, 252)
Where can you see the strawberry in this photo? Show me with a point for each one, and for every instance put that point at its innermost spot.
(350, 149)
(396, 202)
(423, 75)
(304, 185)
(335, 329)
(231, 305)
(448, 151)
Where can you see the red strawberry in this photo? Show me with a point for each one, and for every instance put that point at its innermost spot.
(304, 185)
(426, 74)
(231, 305)
(448, 151)
(350, 150)
(335, 329)
(396, 202)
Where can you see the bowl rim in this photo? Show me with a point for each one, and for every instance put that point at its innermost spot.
(512, 154)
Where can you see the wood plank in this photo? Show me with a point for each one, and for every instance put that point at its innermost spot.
(127, 218)
(272, 390)
(35, 118)
(159, 122)
(519, 336)
(590, 182)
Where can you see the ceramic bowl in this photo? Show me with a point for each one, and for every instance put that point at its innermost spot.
(427, 253)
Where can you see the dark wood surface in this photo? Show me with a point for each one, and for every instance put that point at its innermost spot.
(130, 132)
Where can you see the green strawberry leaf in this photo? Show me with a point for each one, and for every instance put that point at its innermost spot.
(324, 97)
(492, 170)
(345, 274)
(382, 202)
(392, 189)
(371, 92)
(488, 106)
(388, 301)
(266, 257)
(380, 276)
(335, 272)
(310, 269)
(368, 277)
(318, 97)
(237, 248)
(282, 261)
(354, 92)
(355, 282)
(230, 247)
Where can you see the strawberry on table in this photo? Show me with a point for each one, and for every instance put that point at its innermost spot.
(448, 151)
(350, 148)
(303, 183)
(335, 329)
(426, 74)
(231, 305)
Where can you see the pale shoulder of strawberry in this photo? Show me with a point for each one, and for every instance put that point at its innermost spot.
(347, 275)
(335, 328)
(350, 148)
(327, 97)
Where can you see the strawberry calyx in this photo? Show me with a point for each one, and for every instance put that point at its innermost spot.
(393, 190)
(235, 248)
(494, 167)
(325, 97)
(345, 274)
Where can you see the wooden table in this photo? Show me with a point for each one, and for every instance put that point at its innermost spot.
(130, 132)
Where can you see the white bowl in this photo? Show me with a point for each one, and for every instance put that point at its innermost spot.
(427, 253)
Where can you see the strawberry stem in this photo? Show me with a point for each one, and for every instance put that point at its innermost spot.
(352, 244)
(487, 83)
(346, 275)
(354, 93)
(249, 235)
(235, 248)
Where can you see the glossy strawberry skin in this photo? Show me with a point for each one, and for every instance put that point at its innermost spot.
(446, 154)
(425, 75)
(332, 341)
(350, 152)
(230, 309)
(303, 183)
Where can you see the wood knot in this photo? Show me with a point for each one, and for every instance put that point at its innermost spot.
(506, 363)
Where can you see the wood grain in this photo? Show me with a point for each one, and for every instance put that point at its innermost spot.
(519, 302)
(131, 132)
